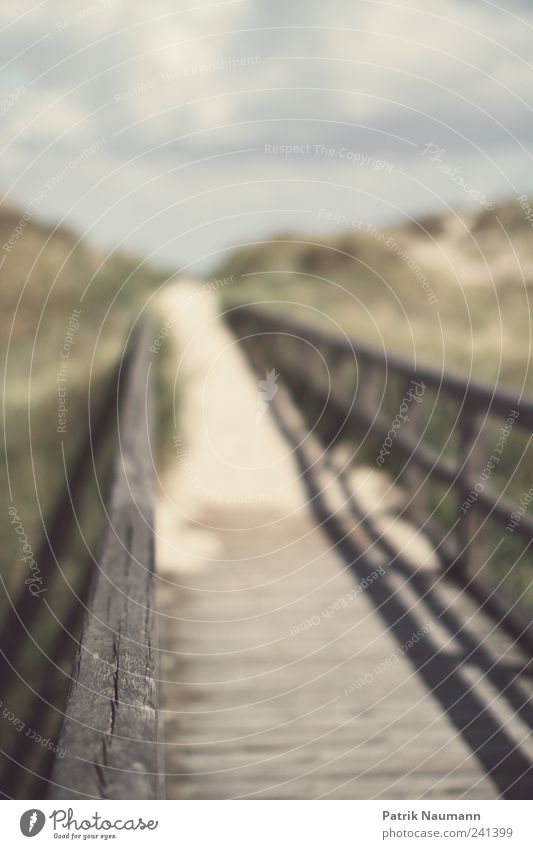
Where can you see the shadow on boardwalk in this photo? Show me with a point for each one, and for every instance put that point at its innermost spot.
(441, 668)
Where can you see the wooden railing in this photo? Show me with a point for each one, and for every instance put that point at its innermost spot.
(344, 400)
(109, 734)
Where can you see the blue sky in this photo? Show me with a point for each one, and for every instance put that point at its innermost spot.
(179, 132)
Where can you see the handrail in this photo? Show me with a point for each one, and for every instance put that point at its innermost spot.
(109, 733)
(473, 392)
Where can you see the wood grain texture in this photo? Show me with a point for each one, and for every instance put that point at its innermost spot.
(110, 727)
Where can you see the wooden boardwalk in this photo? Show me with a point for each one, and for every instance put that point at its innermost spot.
(270, 694)
(301, 659)
(293, 633)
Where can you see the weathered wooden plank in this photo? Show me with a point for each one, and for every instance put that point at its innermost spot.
(110, 727)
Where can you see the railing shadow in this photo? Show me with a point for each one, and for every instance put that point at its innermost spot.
(501, 758)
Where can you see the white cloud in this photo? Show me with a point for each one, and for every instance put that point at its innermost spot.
(165, 81)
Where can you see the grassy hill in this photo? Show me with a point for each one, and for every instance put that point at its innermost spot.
(455, 289)
(65, 311)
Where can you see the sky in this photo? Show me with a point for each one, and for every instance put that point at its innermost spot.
(181, 131)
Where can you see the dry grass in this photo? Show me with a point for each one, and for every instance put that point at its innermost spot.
(456, 291)
(44, 277)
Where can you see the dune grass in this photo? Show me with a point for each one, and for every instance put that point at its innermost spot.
(452, 292)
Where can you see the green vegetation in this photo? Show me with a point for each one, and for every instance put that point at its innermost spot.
(44, 279)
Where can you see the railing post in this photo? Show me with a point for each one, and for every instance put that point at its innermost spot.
(342, 375)
(369, 388)
(471, 533)
(414, 478)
